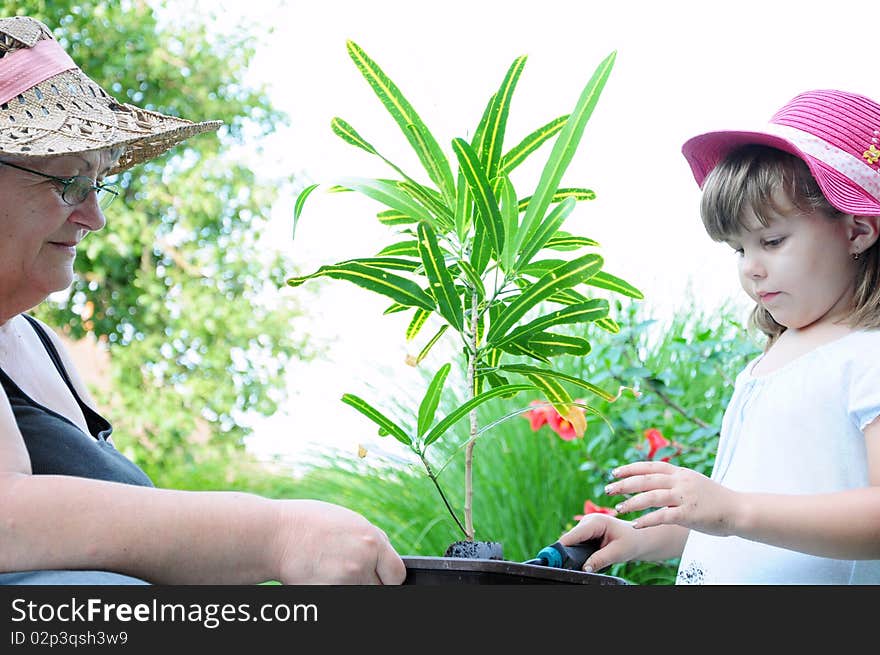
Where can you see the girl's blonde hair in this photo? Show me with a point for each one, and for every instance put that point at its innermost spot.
(751, 178)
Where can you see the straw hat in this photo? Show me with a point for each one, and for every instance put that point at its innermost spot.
(49, 107)
(836, 133)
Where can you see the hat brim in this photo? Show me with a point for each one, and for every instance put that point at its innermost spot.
(69, 113)
(705, 151)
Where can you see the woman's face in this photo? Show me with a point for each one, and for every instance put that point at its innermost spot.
(39, 232)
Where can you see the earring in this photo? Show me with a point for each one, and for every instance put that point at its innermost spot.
(856, 256)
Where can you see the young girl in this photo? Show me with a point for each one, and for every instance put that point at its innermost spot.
(794, 495)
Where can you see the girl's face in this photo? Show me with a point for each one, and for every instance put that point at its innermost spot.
(799, 267)
(39, 232)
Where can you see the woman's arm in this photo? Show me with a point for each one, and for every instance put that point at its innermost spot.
(178, 537)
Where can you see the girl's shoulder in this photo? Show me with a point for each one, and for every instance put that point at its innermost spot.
(847, 352)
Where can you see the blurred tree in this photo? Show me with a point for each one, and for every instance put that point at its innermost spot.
(178, 286)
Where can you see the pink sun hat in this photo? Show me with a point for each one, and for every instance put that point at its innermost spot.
(836, 133)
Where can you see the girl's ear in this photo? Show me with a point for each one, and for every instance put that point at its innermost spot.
(863, 232)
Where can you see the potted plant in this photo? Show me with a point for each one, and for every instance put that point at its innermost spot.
(472, 251)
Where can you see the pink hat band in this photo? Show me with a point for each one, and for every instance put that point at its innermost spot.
(836, 134)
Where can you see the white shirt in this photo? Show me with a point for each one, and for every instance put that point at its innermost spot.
(796, 430)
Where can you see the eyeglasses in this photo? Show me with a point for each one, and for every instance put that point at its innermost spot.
(76, 189)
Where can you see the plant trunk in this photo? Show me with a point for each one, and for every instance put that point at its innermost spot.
(469, 451)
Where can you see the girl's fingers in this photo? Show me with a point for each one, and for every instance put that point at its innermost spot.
(641, 468)
(661, 516)
(655, 498)
(639, 483)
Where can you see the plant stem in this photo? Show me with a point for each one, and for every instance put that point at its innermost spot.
(433, 479)
(469, 451)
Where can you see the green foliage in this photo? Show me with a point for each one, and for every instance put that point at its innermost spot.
(175, 285)
(532, 484)
(469, 259)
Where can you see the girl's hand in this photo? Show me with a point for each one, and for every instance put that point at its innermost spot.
(619, 542)
(685, 497)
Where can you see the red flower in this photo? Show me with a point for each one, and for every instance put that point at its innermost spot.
(540, 415)
(561, 425)
(656, 441)
(592, 508)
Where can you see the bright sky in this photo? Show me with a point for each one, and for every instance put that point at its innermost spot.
(682, 68)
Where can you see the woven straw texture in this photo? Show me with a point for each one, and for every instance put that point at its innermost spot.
(70, 113)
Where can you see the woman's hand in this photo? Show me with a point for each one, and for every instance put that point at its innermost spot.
(323, 543)
(685, 497)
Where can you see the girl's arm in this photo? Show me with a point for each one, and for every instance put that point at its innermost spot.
(841, 525)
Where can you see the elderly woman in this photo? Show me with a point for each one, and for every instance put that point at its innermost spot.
(73, 509)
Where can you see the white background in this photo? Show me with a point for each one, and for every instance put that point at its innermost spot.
(682, 68)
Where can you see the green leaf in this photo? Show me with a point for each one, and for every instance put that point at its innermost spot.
(388, 194)
(566, 241)
(530, 371)
(586, 312)
(487, 205)
(428, 406)
(463, 208)
(568, 297)
(609, 325)
(418, 320)
(391, 263)
(528, 145)
(607, 281)
(481, 251)
(350, 135)
(525, 349)
(510, 220)
(566, 276)
(389, 426)
(560, 195)
(298, 206)
(496, 123)
(545, 231)
(540, 267)
(430, 344)
(550, 387)
(395, 217)
(563, 150)
(397, 288)
(462, 410)
(402, 248)
(435, 172)
(420, 138)
(440, 281)
(472, 277)
(427, 198)
(551, 344)
(395, 308)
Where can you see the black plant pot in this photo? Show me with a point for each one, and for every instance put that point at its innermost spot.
(480, 562)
